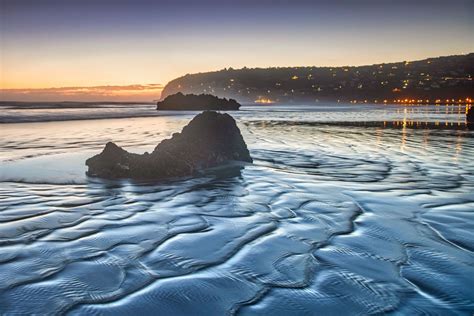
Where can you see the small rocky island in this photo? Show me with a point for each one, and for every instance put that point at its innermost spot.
(209, 140)
(193, 102)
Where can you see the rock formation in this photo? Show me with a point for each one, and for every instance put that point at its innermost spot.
(193, 102)
(470, 117)
(209, 140)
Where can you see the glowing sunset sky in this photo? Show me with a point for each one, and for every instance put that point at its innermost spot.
(55, 44)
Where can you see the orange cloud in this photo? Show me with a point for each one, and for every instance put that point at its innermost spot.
(135, 92)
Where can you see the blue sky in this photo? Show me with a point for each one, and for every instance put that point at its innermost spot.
(71, 43)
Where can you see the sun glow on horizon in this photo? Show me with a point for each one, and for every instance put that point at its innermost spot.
(136, 92)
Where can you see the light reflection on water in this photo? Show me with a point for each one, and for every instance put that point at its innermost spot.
(360, 212)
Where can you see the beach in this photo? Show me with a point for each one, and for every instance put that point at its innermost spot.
(364, 208)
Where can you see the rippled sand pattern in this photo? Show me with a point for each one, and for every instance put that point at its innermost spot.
(329, 220)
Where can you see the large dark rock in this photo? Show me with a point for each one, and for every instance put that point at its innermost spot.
(470, 118)
(470, 115)
(209, 140)
(193, 102)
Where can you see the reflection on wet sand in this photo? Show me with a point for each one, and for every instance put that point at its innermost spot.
(404, 123)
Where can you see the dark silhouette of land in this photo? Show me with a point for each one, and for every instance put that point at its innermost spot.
(192, 102)
(470, 117)
(439, 79)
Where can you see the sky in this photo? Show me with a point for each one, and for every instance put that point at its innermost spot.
(127, 50)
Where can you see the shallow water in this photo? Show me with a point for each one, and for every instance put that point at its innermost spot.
(332, 218)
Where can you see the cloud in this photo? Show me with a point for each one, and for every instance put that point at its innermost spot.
(135, 92)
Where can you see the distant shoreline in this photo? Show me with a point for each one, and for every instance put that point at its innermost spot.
(397, 123)
(64, 104)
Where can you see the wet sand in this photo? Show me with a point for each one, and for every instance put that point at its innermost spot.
(330, 219)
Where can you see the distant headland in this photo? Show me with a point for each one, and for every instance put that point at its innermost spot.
(193, 102)
(433, 80)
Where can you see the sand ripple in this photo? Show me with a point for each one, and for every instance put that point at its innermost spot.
(328, 220)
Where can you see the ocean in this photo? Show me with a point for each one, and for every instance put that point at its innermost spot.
(347, 209)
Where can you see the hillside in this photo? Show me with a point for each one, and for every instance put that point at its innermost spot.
(430, 79)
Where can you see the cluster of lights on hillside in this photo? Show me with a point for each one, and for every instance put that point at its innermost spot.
(417, 101)
(264, 101)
